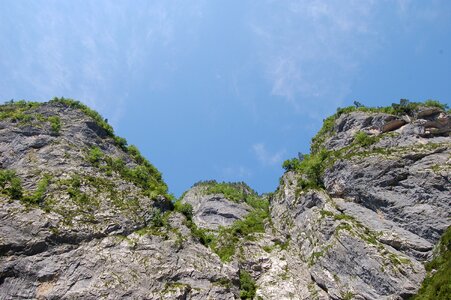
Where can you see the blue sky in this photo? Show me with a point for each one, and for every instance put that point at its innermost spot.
(224, 90)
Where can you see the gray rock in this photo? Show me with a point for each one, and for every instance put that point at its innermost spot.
(213, 211)
(365, 235)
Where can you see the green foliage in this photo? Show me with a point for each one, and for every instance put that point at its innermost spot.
(347, 295)
(404, 107)
(228, 237)
(437, 284)
(185, 209)
(22, 112)
(38, 196)
(95, 156)
(224, 243)
(325, 131)
(364, 140)
(159, 219)
(89, 112)
(435, 103)
(75, 193)
(201, 234)
(55, 123)
(144, 175)
(10, 184)
(234, 191)
(100, 121)
(312, 166)
(247, 285)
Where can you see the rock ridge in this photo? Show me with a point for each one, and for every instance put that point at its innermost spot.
(83, 215)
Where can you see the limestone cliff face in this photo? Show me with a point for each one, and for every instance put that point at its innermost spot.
(84, 216)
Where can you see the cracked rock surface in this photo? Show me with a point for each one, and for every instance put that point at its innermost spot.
(97, 230)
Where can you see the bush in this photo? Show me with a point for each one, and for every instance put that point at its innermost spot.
(435, 103)
(364, 140)
(291, 164)
(38, 196)
(437, 284)
(312, 166)
(95, 156)
(185, 209)
(228, 237)
(11, 184)
(247, 285)
(15, 191)
(55, 123)
(101, 122)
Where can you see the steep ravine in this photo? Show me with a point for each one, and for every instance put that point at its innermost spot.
(85, 216)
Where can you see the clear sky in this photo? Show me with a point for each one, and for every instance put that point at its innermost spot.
(224, 90)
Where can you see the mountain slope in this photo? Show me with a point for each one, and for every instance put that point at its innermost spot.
(84, 216)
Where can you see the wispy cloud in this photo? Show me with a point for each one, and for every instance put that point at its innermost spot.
(313, 51)
(266, 157)
(235, 173)
(92, 52)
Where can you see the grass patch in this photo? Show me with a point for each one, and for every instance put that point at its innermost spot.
(21, 112)
(437, 284)
(247, 285)
(144, 175)
(226, 240)
(404, 107)
(233, 191)
(364, 140)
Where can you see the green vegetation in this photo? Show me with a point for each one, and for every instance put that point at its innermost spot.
(85, 109)
(38, 196)
(75, 193)
(364, 140)
(347, 295)
(100, 121)
(225, 241)
(10, 184)
(95, 156)
(234, 191)
(22, 112)
(144, 175)
(404, 107)
(201, 234)
(247, 285)
(437, 284)
(311, 165)
(55, 123)
(184, 208)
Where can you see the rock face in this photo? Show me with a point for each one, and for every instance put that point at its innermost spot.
(214, 210)
(90, 234)
(83, 216)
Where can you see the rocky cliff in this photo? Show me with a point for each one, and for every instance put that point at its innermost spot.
(84, 216)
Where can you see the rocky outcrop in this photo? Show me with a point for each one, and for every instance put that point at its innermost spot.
(84, 216)
(136, 266)
(210, 211)
(82, 225)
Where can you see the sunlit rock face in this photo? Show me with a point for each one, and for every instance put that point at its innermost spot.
(84, 216)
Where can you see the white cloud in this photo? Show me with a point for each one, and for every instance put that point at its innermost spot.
(265, 157)
(92, 52)
(235, 173)
(312, 50)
